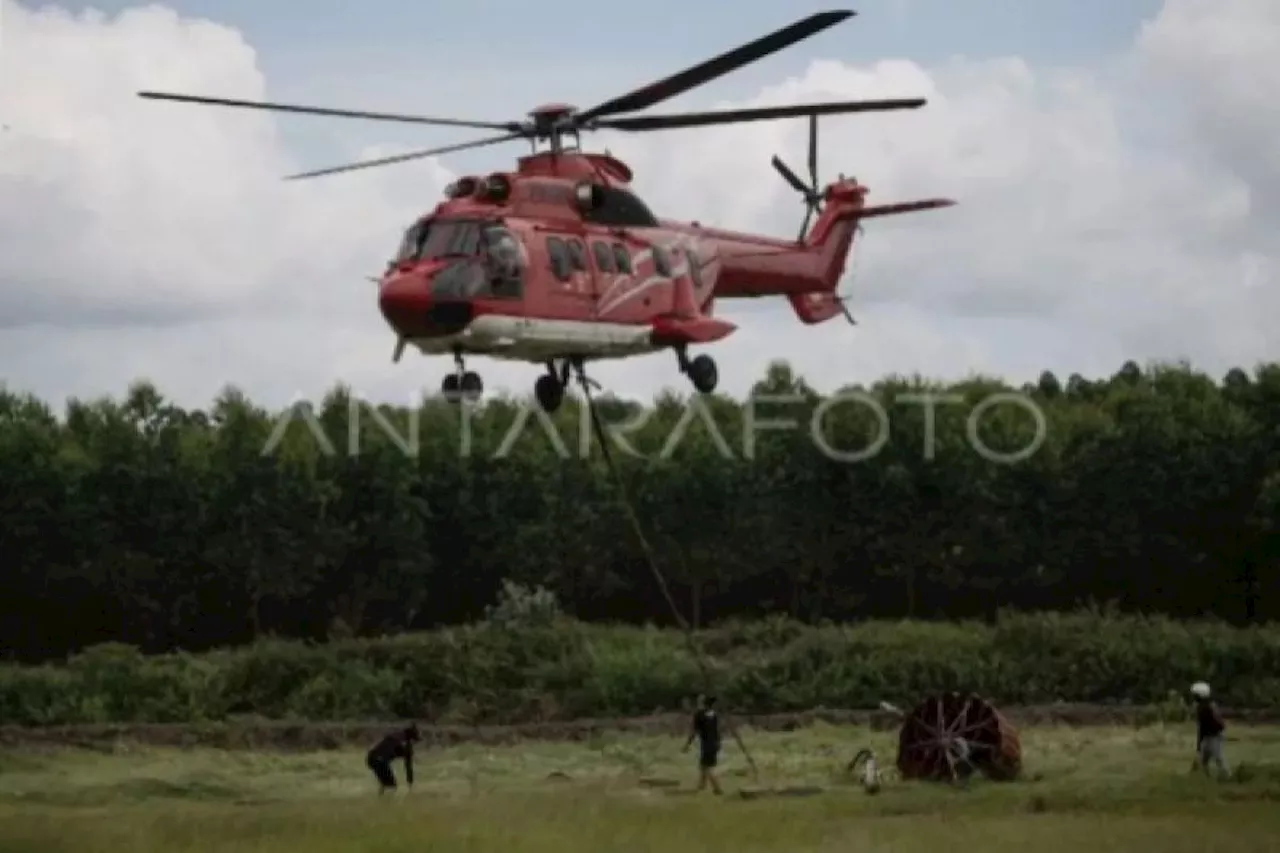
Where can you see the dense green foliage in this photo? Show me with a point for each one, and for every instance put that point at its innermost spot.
(509, 672)
(137, 521)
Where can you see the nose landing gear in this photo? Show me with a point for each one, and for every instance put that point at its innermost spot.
(462, 383)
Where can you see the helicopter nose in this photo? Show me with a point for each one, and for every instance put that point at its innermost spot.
(405, 302)
(418, 305)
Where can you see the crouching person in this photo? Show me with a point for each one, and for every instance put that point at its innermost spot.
(397, 744)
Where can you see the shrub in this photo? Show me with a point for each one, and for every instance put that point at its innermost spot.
(528, 663)
(518, 606)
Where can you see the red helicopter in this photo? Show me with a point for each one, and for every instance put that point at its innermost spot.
(560, 262)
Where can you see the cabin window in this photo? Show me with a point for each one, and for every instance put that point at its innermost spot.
(622, 257)
(561, 264)
(620, 207)
(661, 263)
(695, 268)
(578, 254)
(604, 256)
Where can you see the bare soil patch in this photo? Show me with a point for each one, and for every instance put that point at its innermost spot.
(272, 735)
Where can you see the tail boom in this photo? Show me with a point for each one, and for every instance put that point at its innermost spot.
(753, 266)
(806, 272)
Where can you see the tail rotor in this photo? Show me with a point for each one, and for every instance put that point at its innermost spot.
(809, 192)
(813, 198)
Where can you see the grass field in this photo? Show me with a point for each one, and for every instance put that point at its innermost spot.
(1095, 789)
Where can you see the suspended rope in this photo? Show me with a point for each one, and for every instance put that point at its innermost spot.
(651, 558)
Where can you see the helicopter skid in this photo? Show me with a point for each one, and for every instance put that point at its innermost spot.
(538, 340)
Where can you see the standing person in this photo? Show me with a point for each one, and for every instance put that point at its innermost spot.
(397, 744)
(1209, 729)
(706, 728)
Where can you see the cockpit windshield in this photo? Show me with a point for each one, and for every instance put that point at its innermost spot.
(410, 244)
(490, 258)
(444, 239)
(448, 238)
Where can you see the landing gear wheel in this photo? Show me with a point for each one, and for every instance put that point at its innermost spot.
(703, 374)
(471, 386)
(449, 387)
(462, 384)
(549, 392)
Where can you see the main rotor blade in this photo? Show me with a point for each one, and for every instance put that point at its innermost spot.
(673, 121)
(705, 72)
(325, 111)
(401, 158)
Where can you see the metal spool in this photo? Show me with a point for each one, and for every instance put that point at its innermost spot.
(950, 736)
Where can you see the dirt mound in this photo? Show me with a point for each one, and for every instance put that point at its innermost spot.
(322, 736)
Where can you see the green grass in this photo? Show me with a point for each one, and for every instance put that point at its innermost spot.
(1095, 789)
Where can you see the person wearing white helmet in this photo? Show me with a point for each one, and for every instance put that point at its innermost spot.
(1209, 729)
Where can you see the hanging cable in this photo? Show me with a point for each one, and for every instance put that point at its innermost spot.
(651, 558)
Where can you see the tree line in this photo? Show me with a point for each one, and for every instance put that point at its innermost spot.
(136, 520)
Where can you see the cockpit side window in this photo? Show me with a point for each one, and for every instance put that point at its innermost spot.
(481, 259)
(411, 244)
(504, 262)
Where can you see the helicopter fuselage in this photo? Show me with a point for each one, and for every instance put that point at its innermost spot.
(561, 259)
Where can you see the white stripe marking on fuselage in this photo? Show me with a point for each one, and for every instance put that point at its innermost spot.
(608, 301)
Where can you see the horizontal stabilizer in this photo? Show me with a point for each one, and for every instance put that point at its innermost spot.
(903, 207)
(817, 307)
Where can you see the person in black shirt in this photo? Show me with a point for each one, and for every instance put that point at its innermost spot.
(1209, 729)
(706, 728)
(398, 744)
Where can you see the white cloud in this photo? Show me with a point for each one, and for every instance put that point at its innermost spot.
(1220, 55)
(149, 239)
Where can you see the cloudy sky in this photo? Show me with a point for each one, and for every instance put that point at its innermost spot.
(1115, 163)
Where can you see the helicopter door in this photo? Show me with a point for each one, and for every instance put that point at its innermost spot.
(574, 284)
(582, 279)
(611, 264)
(604, 265)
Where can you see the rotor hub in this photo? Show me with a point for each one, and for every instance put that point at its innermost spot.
(552, 117)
